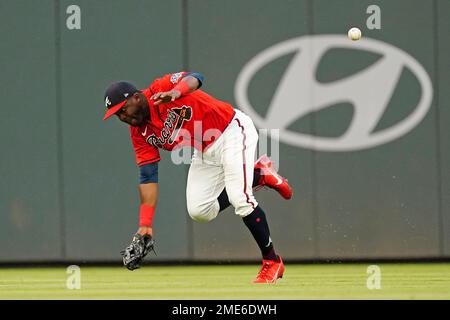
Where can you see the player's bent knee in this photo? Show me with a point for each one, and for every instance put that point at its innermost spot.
(203, 213)
(199, 217)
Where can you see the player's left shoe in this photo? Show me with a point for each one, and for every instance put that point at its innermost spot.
(271, 179)
(270, 271)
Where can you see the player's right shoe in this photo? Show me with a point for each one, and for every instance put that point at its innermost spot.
(270, 271)
(271, 179)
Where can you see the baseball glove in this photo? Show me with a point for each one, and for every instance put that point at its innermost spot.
(137, 250)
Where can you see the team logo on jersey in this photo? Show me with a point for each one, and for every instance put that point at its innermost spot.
(175, 120)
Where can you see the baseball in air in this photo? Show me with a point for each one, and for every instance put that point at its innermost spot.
(354, 34)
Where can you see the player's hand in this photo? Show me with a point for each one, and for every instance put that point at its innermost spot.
(164, 97)
(145, 231)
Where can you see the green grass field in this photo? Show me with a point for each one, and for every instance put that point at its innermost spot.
(301, 281)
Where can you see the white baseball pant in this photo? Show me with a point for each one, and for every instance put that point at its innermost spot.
(228, 163)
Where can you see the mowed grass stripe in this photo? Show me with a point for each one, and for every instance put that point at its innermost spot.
(308, 281)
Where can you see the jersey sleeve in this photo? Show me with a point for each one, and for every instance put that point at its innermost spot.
(167, 82)
(144, 152)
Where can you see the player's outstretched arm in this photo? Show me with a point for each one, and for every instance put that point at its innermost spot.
(143, 242)
(187, 84)
(148, 193)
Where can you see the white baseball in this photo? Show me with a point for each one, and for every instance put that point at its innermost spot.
(354, 34)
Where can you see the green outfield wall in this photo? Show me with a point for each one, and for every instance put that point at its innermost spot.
(362, 127)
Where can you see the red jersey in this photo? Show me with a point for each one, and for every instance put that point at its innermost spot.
(196, 119)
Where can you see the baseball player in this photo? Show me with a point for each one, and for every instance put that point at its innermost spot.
(172, 112)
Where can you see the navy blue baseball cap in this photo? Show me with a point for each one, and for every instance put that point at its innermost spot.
(116, 96)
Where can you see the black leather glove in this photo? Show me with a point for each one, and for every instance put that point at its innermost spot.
(139, 247)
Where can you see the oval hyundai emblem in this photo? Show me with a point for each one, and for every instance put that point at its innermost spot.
(369, 91)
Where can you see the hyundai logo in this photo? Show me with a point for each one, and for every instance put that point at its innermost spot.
(369, 91)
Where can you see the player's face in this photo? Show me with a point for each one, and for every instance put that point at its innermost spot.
(133, 112)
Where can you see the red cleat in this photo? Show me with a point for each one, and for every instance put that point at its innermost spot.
(271, 179)
(270, 271)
